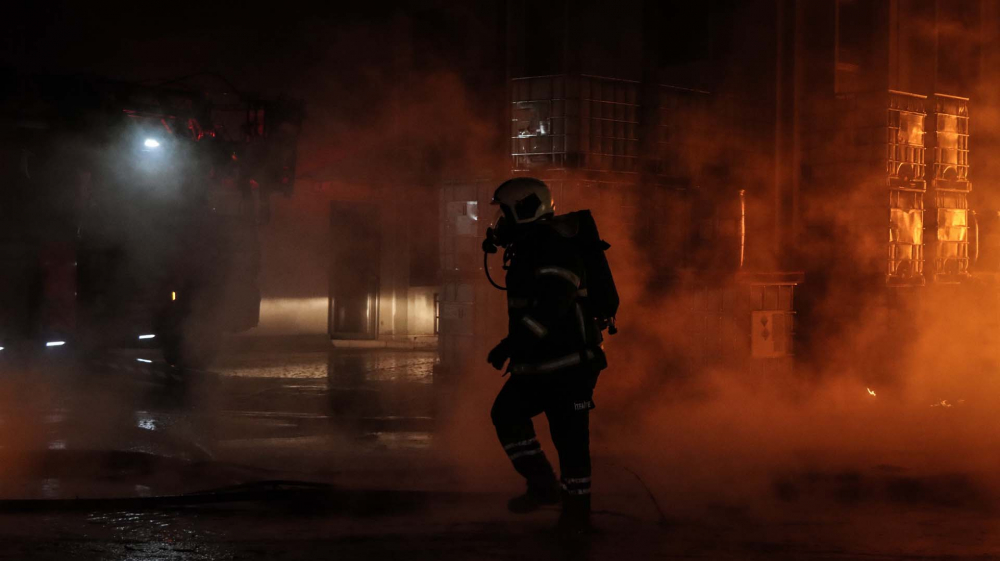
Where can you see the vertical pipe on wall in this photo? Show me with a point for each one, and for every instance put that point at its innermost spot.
(779, 99)
(743, 227)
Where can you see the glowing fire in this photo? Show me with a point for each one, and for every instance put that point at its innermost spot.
(870, 392)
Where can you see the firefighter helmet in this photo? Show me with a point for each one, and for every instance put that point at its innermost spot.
(525, 199)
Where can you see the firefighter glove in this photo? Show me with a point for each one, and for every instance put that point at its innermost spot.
(499, 355)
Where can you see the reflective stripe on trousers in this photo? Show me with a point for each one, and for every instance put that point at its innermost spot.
(520, 449)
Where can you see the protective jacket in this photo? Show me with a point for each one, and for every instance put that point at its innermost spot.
(549, 328)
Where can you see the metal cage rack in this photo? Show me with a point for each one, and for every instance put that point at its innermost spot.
(575, 122)
(950, 220)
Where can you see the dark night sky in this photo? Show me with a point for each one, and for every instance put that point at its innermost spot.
(253, 45)
(260, 46)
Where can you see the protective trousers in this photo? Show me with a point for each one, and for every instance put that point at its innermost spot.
(566, 398)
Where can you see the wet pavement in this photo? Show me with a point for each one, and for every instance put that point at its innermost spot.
(279, 411)
(101, 458)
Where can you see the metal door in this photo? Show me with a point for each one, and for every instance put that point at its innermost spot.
(355, 229)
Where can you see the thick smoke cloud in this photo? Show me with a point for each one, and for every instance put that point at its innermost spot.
(698, 431)
(890, 401)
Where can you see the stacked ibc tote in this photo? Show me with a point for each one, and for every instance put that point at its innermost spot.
(864, 172)
(897, 161)
(575, 123)
(902, 159)
(948, 219)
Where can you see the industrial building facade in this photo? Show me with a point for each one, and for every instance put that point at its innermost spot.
(764, 159)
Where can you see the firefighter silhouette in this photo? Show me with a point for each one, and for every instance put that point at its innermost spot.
(560, 295)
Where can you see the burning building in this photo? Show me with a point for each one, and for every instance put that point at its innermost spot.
(879, 163)
(778, 168)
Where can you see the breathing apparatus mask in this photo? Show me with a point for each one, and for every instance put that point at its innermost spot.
(499, 234)
(522, 200)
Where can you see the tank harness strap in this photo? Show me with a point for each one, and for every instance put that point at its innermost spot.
(560, 272)
(554, 364)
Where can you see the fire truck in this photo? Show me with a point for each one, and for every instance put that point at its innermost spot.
(129, 213)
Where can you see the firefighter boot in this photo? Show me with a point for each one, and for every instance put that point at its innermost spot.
(575, 517)
(542, 492)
